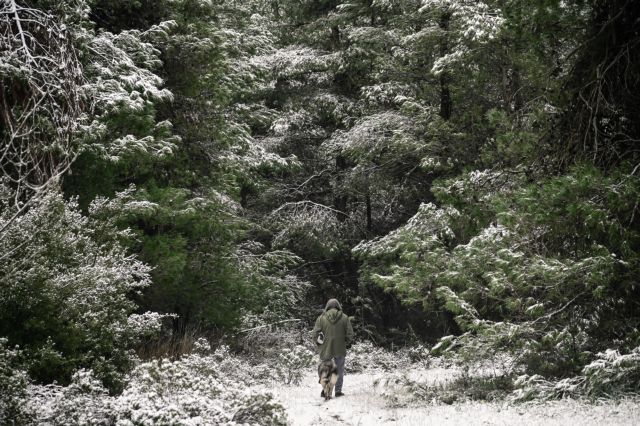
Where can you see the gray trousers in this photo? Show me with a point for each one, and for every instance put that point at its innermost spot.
(340, 364)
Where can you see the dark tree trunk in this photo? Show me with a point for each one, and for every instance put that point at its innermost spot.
(339, 198)
(445, 92)
(368, 202)
(445, 97)
(515, 85)
(244, 196)
(335, 37)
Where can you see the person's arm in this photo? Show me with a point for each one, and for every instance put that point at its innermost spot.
(317, 328)
(349, 332)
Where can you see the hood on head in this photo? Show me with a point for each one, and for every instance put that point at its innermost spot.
(333, 304)
(333, 310)
(333, 315)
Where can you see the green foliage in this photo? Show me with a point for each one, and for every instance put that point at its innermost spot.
(474, 160)
(191, 232)
(65, 292)
(611, 374)
(550, 280)
(178, 234)
(202, 386)
(13, 386)
(293, 363)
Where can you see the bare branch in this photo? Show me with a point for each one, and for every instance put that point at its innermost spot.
(41, 106)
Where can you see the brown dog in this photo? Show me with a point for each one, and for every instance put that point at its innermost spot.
(328, 376)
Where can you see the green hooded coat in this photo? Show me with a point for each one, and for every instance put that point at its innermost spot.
(337, 330)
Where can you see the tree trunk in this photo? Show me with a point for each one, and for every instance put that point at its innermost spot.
(335, 37)
(445, 93)
(368, 202)
(339, 198)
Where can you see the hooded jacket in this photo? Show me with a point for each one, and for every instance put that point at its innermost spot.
(337, 330)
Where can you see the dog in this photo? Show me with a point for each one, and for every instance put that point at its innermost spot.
(327, 377)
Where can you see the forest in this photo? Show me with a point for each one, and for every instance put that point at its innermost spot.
(185, 183)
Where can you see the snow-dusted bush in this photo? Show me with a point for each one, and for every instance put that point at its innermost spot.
(194, 390)
(84, 402)
(537, 387)
(65, 286)
(293, 362)
(246, 370)
(365, 356)
(611, 374)
(266, 341)
(276, 354)
(418, 353)
(13, 386)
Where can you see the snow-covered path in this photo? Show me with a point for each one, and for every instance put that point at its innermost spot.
(364, 404)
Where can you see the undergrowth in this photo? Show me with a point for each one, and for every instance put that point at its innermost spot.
(202, 388)
(611, 375)
(462, 388)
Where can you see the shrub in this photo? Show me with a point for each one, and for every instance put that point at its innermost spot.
(464, 387)
(13, 386)
(65, 286)
(293, 362)
(418, 353)
(85, 401)
(365, 356)
(195, 387)
(264, 341)
(194, 390)
(613, 373)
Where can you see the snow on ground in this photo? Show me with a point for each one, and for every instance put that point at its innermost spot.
(364, 404)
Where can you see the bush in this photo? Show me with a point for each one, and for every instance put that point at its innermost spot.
(85, 401)
(193, 390)
(166, 392)
(65, 286)
(418, 353)
(292, 363)
(610, 375)
(464, 387)
(365, 356)
(264, 341)
(13, 386)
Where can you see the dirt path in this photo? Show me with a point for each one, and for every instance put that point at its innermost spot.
(365, 404)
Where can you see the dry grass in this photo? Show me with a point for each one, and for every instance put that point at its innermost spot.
(169, 346)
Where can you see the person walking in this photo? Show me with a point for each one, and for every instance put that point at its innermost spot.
(334, 329)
